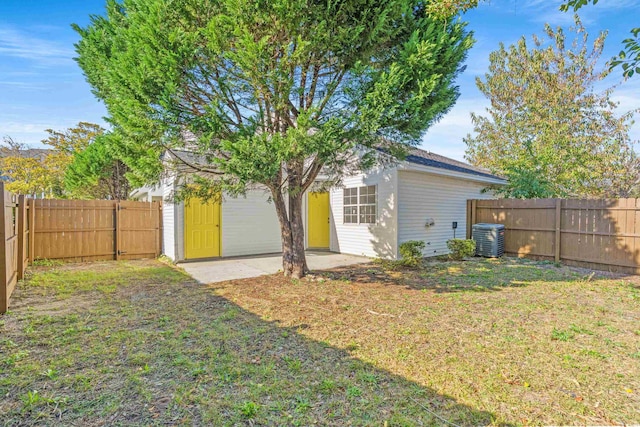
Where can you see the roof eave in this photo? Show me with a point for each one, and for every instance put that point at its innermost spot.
(469, 176)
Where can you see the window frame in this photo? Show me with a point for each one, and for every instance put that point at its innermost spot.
(351, 206)
(368, 204)
(365, 208)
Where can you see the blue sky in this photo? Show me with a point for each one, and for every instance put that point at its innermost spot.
(42, 87)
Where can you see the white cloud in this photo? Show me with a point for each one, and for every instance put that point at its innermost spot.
(20, 44)
(30, 133)
(33, 128)
(22, 85)
(446, 137)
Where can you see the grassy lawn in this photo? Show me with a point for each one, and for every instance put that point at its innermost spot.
(476, 343)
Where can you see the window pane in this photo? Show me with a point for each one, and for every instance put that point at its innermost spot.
(363, 194)
(350, 196)
(350, 215)
(368, 214)
(368, 194)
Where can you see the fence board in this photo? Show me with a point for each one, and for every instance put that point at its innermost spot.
(22, 236)
(599, 234)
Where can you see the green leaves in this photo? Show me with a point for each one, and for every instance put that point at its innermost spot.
(547, 130)
(576, 4)
(263, 86)
(629, 58)
(43, 173)
(96, 172)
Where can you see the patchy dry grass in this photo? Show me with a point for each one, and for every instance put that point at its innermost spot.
(524, 341)
(140, 343)
(476, 343)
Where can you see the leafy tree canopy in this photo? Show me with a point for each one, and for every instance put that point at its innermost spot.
(271, 92)
(42, 171)
(548, 130)
(96, 172)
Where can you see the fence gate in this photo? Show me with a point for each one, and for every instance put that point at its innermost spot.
(72, 230)
(138, 228)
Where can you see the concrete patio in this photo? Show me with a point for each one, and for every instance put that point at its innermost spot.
(221, 270)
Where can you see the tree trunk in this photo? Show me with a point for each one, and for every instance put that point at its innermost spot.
(294, 262)
(298, 263)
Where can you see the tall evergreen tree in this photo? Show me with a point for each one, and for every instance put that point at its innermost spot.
(272, 92)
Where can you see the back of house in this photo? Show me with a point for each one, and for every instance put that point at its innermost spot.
(420, 198)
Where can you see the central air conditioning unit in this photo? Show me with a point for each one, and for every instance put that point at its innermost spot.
(489, 239)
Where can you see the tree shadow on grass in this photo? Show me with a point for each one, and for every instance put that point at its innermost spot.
(440, 276)
(165, 350)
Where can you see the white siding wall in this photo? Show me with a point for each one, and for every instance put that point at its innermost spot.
(422, 196)
(249, 225)
(179, 231)
(168, 220)
(374, 240)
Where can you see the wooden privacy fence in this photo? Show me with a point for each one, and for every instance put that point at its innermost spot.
(598, 234)
(92, 230)
(72, 230)
(14, 231)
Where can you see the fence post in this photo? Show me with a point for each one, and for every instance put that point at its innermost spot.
(116, 237)
(22, 252)
(558, 230)
(32, 230)
(4, 291)
(160, 230)
(468, 219)
(474, 215)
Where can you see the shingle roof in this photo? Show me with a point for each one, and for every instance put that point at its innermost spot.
(427, 158)
(416, 155)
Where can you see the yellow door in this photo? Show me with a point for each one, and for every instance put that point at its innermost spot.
(201, 229)
(318, 220)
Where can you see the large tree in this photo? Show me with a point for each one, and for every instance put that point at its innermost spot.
(548, 129)
(272, 92)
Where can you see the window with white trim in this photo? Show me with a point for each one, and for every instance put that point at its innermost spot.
(368, 204)
(350, 197)
(360, 205)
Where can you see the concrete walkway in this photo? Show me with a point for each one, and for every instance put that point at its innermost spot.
(221, 270)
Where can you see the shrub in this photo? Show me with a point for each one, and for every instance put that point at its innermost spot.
(411, 252)
(461, 248)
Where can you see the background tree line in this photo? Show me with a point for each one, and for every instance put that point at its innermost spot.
(80, 163)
